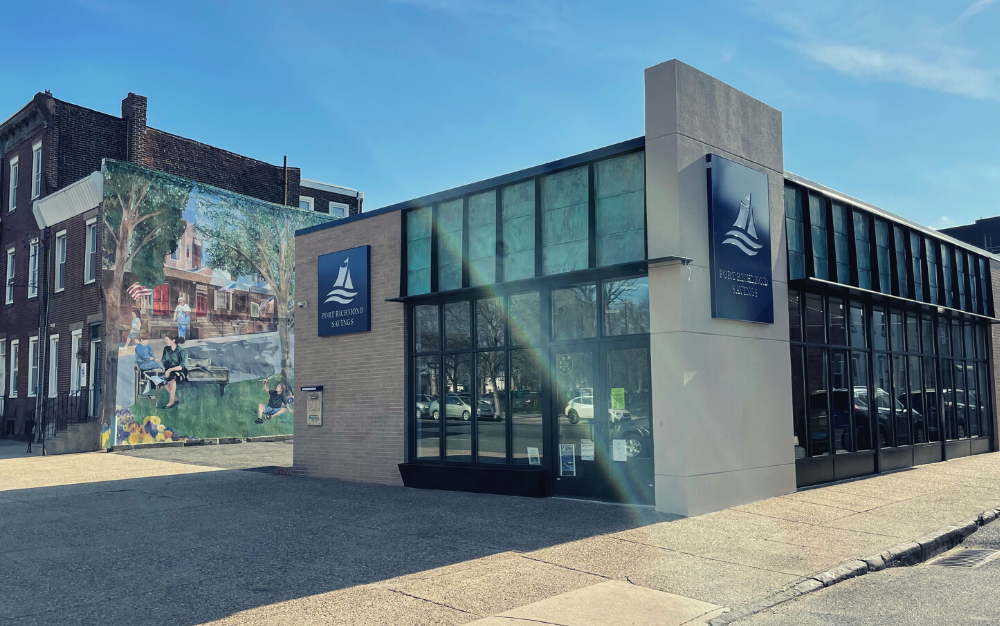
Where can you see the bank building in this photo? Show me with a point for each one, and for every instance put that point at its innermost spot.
(674, 320)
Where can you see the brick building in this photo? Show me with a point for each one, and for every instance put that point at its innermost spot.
(51, 264)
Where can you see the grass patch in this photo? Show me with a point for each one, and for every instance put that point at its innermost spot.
(203, 413)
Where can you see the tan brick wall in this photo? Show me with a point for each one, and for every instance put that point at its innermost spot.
(362, 374)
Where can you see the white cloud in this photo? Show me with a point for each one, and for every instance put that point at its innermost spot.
(940, 74)
(899, 44)
(974, 8)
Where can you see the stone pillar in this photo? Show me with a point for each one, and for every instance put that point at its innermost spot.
(134, 116)
(722, 399)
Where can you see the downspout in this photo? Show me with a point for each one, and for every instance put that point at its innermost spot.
(43, 333)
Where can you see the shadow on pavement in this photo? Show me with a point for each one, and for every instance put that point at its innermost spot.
(192, 548)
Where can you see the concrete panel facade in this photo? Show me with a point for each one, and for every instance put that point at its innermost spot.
(362, 436)
(722, 405)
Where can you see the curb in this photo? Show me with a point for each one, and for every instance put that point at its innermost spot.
(902, 555)
(269, 438)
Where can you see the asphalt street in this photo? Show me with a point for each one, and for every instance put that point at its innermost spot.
(924, 595)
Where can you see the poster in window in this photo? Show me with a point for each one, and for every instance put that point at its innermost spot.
(567, 459)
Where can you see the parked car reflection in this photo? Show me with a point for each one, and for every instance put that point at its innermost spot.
(842, 407)
(637, 435)
(582, 407)
(424, 405)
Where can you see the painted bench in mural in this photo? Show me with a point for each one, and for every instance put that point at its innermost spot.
(200, 371)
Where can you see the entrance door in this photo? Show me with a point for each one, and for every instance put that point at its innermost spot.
(580, 434)
(602, 408)
(627, 409)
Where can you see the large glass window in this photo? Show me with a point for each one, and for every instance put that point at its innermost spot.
(574, 313)
(525, 405)
(457, 407)
(519, 231)
(918, 268)
(973, 299)
(862, 247)
(795, 233)
(491, 412)
(565, 221)
(427, 384)
(960, 280)
(932, 271)
(418, 251)
(882, 254)
(525, 319)
(483, 238)
(841, 243)
(946, 272)
(626, 306)
(449, 249)
(478, 371)
(817, 224)
(798, 402)
(620, 194)
(817, 367)
(900, 240)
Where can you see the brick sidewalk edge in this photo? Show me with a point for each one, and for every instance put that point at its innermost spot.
(902, 555)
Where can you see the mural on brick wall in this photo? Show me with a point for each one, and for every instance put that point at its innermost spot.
(199, 317)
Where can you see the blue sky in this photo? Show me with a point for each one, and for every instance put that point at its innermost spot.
(895, 103)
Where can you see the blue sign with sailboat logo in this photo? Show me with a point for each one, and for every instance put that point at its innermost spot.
(344, 296)
(739, 221)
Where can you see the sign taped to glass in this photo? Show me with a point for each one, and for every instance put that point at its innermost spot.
(739, 220)
(344, 297)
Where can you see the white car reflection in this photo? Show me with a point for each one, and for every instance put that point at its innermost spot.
(582, 407)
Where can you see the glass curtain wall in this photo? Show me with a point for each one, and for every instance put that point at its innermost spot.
(587, 216)
(838, 407)
(479, 370)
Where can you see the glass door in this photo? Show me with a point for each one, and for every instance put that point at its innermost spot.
(580, 435)
(626, 407)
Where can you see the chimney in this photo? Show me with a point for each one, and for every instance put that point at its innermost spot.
(134, 116)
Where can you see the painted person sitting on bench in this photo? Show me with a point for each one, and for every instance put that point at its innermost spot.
(145, 361)
(174, 360)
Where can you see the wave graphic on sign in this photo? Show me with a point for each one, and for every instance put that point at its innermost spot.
(343, 289)
(744, 233)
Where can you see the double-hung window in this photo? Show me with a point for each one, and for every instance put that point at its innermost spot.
(33, 269)
(32, 366)
(60, 278)
(90, 260)
(339, 209)
(15, 353)
(12, 186)
(36, 170)
(9, 285)
(53, 366)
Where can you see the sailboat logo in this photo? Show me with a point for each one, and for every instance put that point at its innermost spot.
(744, 234)
(343, 289)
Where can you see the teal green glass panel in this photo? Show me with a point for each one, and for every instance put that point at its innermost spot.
(519, 231)
(418, 251)
(449, 216)
(565, 223)
(483, 238)
(620, 190)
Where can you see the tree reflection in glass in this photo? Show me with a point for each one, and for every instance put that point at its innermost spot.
(491, 404)
(574, 312)
(490, 323)
(626, 306)
(525, 404)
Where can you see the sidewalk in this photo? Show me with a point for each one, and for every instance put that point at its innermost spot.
(310, 551)
(684, 571)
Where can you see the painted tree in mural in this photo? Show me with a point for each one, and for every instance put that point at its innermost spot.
(247, 237)
(143, 219)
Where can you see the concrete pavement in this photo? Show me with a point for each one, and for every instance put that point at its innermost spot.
(151, 541)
